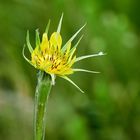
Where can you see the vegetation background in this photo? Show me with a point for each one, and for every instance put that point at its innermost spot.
(110, 107)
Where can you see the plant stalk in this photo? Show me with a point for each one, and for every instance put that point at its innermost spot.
(41, 96)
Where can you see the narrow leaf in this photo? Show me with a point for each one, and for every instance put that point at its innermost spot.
(28, 43)
(75, 46)
(83, 70)
(88, 56)
(69, 80)
(60, 23)
(72, 38)
(47, 27)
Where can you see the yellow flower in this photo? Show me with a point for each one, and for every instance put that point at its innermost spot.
(51, 57)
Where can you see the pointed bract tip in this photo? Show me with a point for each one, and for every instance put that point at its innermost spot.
(62, 14)
(48, 26)
(60, 24)
(101, 53)
(69, 80)
(28, 42)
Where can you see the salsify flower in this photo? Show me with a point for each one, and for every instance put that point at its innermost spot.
(50, 56)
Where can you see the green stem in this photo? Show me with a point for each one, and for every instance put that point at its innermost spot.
(41, 96)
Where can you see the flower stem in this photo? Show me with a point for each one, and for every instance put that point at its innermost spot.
(41, 96)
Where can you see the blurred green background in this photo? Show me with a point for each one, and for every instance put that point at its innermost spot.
(110, 107)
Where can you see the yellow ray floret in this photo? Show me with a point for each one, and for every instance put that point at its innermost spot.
(49, 57)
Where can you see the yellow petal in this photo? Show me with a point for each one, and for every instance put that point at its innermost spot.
(45, 43)
(71, 54)
(34, 57)
(44, 37)
(72, 61)
(56, 40)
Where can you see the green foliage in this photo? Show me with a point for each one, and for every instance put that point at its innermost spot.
(109, 109)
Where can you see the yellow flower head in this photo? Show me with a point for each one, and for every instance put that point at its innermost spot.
(51, 57)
